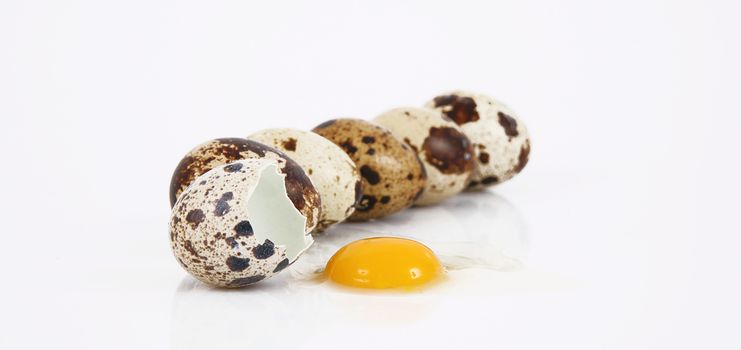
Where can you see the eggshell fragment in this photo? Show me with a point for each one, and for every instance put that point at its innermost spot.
(235, 225)
(222, 151)
(445, 152)
(500, 139)
(332, 172)
(392, 175)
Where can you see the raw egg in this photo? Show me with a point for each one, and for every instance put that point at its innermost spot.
(384, 263)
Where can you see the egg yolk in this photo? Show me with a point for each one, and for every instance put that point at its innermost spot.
(383, 262)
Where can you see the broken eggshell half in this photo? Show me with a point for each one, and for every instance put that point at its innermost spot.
(332, 172)
(213, 153)
(236, 225)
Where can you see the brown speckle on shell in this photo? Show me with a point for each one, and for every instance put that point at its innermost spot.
(232, 168)
(349, 148)
(188, 245)
(366, 203)
(264, 251)
(383, 170)
(448, 150)
(243, 228)
(222, 204)
(301, 191)
(237, 264)
(290, 144)
(460, 109)
(281, 265)
(484, 157)
(489, 180)
(370, 175)
(523, 158)
(231, 242)
(195, 217)
(410, 145)
(508, 123)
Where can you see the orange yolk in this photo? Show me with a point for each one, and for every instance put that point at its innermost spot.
(383, 262)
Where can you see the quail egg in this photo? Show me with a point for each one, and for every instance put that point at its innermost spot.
(392, 175)
(332, 172)
(501, 141)
(237, 225)
(226, 150)
(444, 150)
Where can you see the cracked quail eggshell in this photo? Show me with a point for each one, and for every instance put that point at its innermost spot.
(332, 172)
(236, 225)
(211, 154)
(500, 139)
(392, 176)
(445, 152)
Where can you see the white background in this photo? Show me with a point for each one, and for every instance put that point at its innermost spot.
(625, 220)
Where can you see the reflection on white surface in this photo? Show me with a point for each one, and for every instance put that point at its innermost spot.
(205, 317)
(472, 230)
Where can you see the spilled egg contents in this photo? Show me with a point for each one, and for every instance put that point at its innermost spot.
(384, 263)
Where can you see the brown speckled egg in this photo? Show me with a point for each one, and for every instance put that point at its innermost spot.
(393, 177)
(226, 150)
(236, 225)
(445, 151)
(332, 171)
(500, 139)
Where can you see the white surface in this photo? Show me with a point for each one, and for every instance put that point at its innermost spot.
(625, 221)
